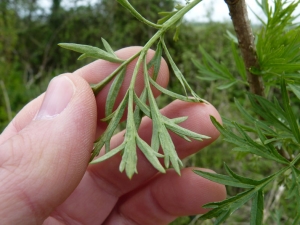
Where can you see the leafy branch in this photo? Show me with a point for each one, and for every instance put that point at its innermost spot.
(270, 125)
(136, 106)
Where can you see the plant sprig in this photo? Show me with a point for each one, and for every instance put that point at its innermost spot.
(136, 106)
(270, 128)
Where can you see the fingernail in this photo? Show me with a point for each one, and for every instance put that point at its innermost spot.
(57, 97)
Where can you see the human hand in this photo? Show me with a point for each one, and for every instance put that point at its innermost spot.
(45, 150)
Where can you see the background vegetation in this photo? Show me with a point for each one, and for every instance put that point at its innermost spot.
(30, 57)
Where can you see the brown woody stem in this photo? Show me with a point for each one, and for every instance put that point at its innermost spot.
(241, 23)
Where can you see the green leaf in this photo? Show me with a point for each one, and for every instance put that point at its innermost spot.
(232, 37)
(257, 209)
(241, 179)
(136, 14)
(295, 192)
(239, 62)
(113, 124)
(295, 89)
(182, 131)
(99, 86)
(174, 95)
(246, 143)
(223, 179)
(222, 217)
(166, 16)
(169, 150)
(108, 47)
(175, 69)
(129, 158)
(156, 61)
(269, 112)
(109, 154)
(150, 154)
(160, 135)
(90, 51)
(289, 112)
(226, 86)
(296, 220)
(185, 85)
(270, 147)
(251, 119)
(179, 119)
(108, 118)
(141, 108)
(229, 205)
(114, 91)
(221, 69)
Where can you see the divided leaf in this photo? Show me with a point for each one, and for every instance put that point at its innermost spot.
(90, 51)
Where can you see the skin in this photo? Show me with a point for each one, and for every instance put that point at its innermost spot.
(44, 173)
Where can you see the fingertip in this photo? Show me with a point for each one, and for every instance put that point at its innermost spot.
(168, 196)
(189, 192)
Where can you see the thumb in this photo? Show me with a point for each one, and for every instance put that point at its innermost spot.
(43, 163)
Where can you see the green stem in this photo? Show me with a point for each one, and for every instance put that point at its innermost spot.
(98, 87)
(135, 13)
(162, 29)
(137, 67)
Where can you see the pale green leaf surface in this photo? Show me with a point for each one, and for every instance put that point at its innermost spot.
(114, 91)
(175, 69)
(90, 51)
(150, 154)
(113, 124)
(156, 61)
(109, 154)
(108, 48)
(138, 112)
(183, 131)
(174, 95)
(178, 119)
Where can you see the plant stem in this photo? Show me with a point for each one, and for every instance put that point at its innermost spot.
(136, 14)
(240, 20)
(98, 87)
(163, 28)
